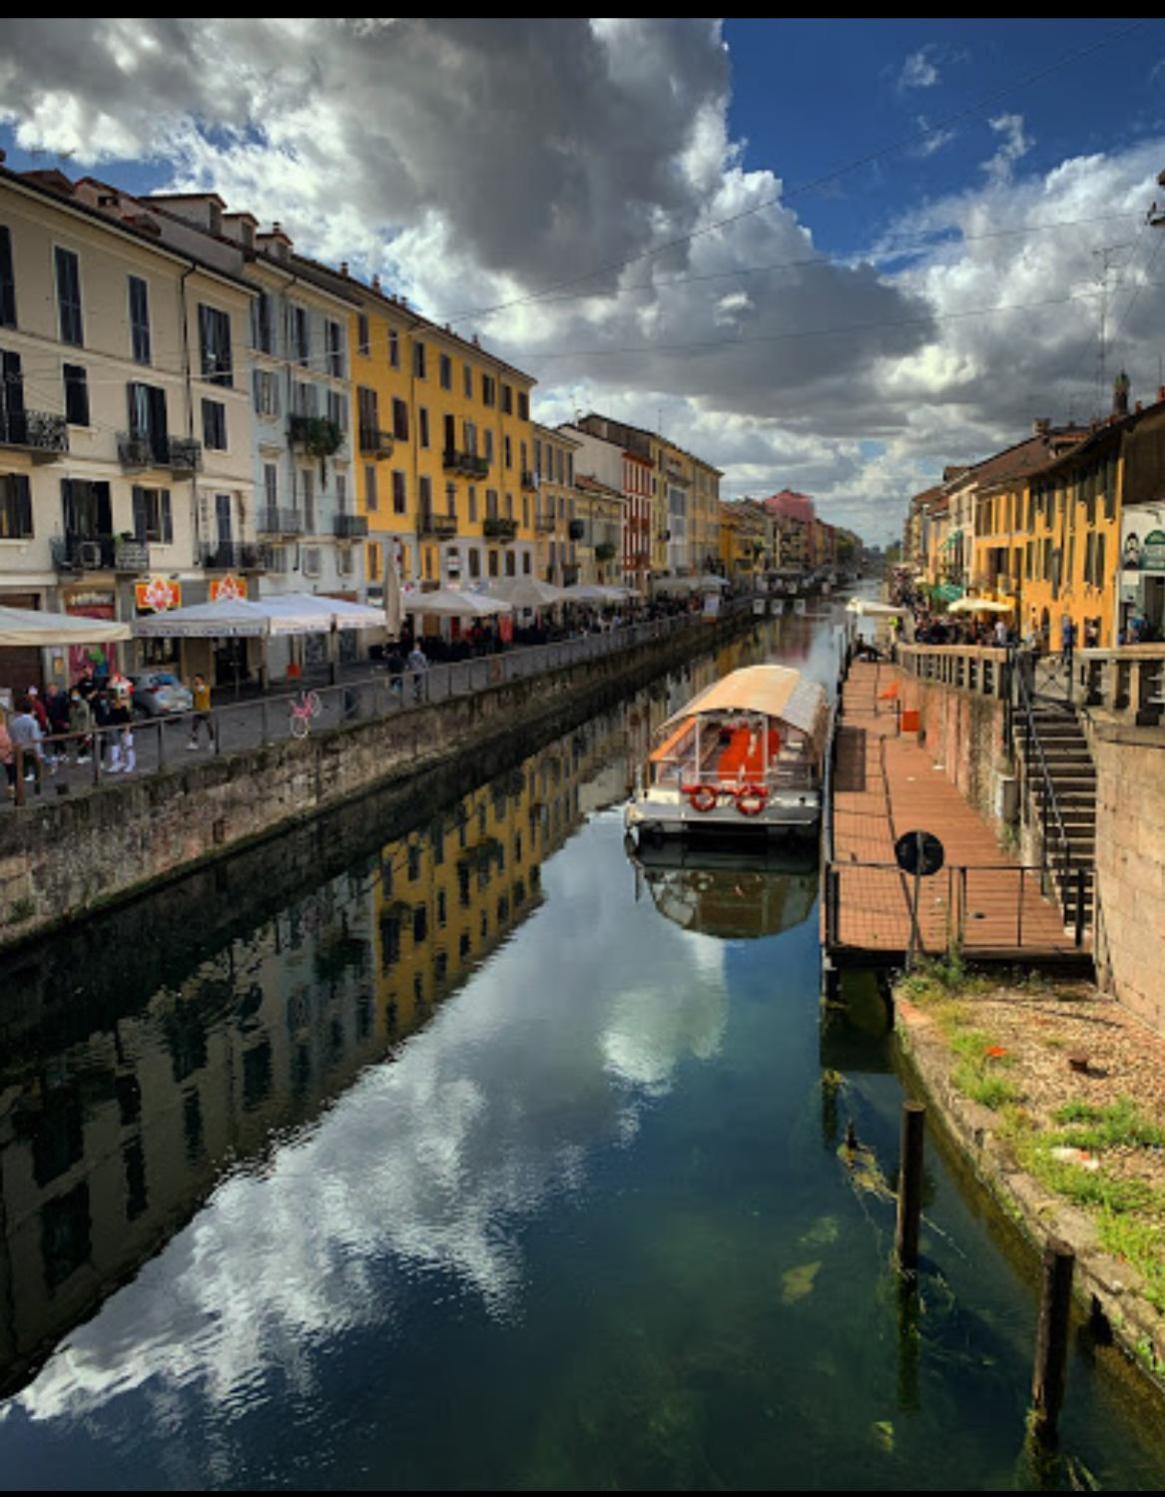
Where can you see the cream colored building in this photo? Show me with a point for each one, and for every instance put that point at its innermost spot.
(125, 428)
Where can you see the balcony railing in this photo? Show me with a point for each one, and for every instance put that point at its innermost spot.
(99, 553)
(376, 443)
(41, 433)
(467, 463)
(274, 521)
(179, 454)
(496, 528)
(528, 479)
(233, 556)
(351, 527)
(429, 523)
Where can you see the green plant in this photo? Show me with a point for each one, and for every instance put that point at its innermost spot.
(20, 909)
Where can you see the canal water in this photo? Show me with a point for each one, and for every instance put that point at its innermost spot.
(473, 1153)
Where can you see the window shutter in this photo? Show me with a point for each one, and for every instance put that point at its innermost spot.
(7, 281)
(167, 518)
(23, 502)
(139, 512)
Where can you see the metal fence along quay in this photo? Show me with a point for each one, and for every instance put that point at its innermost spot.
(73, 764)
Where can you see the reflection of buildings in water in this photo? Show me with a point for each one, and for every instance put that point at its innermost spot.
(106, 1151)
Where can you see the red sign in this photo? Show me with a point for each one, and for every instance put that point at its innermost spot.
(158, 595)
(228, 588)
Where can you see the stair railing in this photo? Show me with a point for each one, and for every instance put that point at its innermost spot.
(1070, 878)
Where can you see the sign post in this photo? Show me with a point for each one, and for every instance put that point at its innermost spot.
(920, 854)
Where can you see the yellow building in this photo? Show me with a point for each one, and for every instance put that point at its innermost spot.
(556, 524)
(742, 539)
(444, 449)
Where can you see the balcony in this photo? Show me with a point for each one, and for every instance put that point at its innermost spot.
(495, 528)
(179, 454)
(444, 526)
(605, 551)
(376, 443)
(42, 435)
(233, 556)
(528, 479)
(274, 521)
(351, 527)
(99, 553)
(544, 524)
(320, 437)
(466, 463)
(577, 530)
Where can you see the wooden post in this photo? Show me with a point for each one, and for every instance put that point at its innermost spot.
(909, 1187)
(1052, 1340)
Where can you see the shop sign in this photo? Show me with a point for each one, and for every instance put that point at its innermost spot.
(158, 595)
(228, 589)
(1143, 538)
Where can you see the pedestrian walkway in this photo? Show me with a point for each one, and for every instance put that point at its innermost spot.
(884, 785)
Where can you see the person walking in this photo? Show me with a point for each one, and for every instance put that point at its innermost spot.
(418, 664)
(57, 707)
(81, 725)
(1067, 639)
(26, 735)
(200, 691)
(123, 758)
(7, 756)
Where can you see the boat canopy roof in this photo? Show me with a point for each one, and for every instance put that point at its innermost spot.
(776, 690)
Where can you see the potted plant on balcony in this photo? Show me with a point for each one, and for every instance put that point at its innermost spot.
(321, 438)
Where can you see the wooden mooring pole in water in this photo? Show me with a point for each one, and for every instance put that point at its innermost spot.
(1052, 1341)
(910, 1186)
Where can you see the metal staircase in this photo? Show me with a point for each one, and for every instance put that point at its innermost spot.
(1060, 787)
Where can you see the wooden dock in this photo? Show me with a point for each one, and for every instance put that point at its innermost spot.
(884, 785)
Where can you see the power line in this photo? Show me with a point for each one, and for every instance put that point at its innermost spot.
(810, 186)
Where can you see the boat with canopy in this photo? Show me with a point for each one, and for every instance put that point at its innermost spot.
(743, 757)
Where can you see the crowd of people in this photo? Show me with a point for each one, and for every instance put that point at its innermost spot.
(46, 731)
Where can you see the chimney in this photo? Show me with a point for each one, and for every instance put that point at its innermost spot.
(344, 269)
(1120, 394)
(375, 282)
(1041, 427)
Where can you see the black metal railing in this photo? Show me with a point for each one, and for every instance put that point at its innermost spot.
(273, 520)
(1060, 866)
(377, 443)
(233, 556)
(350, 527)
(498, 528)
(429, 523)
(45, 434)
(467, 463)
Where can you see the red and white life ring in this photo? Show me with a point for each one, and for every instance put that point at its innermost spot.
(752, 800)
(702, 797)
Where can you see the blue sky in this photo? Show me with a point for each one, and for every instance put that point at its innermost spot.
(622, 208)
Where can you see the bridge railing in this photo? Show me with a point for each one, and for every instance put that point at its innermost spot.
(977, 668)
(1128, 682)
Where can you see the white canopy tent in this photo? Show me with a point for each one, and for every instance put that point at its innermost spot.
(226, 618)
(446, 603)
(528, 592)
(307, 613)
(980, 605)
(591, 592)
(31, 626)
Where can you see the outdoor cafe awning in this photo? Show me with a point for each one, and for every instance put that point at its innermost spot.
(31, 626)
(446, 603)
(226, 618)
(981, 605)
(308, 613)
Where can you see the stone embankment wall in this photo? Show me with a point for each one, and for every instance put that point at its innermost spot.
(964, 733)
(1130, 866)
(63, 859)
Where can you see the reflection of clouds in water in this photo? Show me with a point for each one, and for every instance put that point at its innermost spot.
(425, 1168)
(653, 1027)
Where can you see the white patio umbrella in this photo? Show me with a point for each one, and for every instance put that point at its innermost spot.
(308, 613)
(225, 618)
(445, 603)
(870, 607)
(586, 592)
(31, 626)
(710, 581)
(528, 592)
(979, 605)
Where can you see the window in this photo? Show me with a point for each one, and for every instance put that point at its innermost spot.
(511, 564)
(371, 497)
(271, 485)
(423, 426)
(474, 560)
(341, 493)
(266, 393)
(362, 342)
(472, 503)
(15, 507)
(152, 520)
(69, 297)
(76, 395)
(507, 400)
(214, 425)
(399, 492)
(509, 506)
(335, 340)
(139, 319)
(468, 382)
(489, 445)
(308, 485)
(471, 438)
(509, 455)
(493, 563)
(400, 420)
(394, 348)
(426, 493)
(488, 390)
(446, 367)
(491, 504)
(147, 417)
(451, 499)
(523, 406)
(369, 417)
(338, 409)
(300, 334)
(538, 459)
(419, 360)
(7, 280)
(526, 562)
(303, 398)
(214, 329)
(261, 323)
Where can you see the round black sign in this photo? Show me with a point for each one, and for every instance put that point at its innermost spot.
(919, 852)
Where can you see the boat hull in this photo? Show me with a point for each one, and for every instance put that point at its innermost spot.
(795, 815)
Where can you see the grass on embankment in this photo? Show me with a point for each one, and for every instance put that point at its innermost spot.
(1117, 1176)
